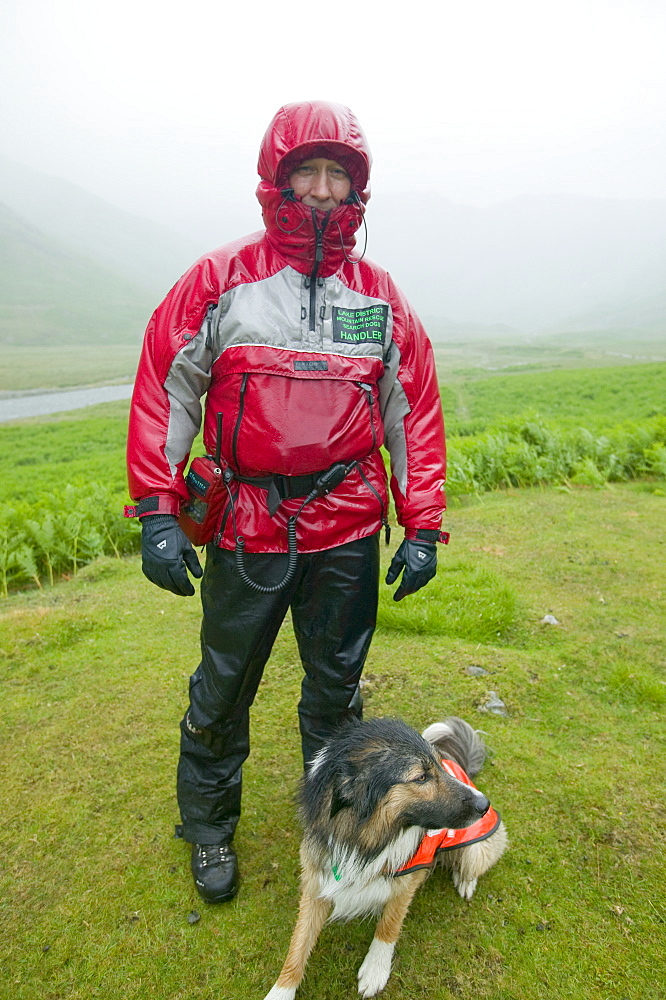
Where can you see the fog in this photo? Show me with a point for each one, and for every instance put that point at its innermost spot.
(519, 175)
(159, 107)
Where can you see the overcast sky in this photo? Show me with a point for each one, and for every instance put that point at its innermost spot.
(159, 107)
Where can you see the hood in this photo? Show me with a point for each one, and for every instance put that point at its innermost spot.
(299, 132)
(315, 128)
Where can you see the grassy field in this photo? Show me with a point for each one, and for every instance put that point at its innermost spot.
(24, 367)
(96, 894)
(40, 455)
(89, 445)
(591, 427)
(594, 398)
(481, 355)
(96, 897)
(63, 366)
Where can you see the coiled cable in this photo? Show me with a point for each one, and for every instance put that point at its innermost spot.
(292, 549)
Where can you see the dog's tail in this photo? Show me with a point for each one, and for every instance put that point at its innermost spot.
(455, 740)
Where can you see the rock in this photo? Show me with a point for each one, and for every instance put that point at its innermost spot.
(494, 705)
(475, 671)
(549, 620)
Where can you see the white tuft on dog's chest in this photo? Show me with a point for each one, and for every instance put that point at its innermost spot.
(358, 888)
(352, 901)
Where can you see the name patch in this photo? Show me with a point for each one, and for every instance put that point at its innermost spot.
(311, 366)
(360, 326)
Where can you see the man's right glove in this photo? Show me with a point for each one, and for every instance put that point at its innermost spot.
(166, 552)
(420, 562)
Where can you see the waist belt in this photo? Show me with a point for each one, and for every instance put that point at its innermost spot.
(281, 487)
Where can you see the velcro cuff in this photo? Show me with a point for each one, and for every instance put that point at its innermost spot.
(154, 505)
(427, 535)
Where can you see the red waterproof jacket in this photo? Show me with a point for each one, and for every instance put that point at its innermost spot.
(310, 356)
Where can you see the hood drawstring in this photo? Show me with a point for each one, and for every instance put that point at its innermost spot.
(287, 195)
(353, 260)
(354, 199)
(289, 228)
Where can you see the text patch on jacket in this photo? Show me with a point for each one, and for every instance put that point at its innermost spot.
(356, 326)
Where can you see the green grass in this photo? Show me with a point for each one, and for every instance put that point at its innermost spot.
(96, 892)
(75, 462)
(24, 368)
(465, 355)
(594, 398)
(40, 455)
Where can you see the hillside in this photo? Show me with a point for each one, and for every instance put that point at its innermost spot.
(530, 263)
(534, 265)
(150, 256)
(50, 294)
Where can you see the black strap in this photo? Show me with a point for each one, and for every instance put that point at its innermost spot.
(281, 487)
(288, 487)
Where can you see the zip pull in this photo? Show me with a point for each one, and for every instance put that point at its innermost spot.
(209, 325)
(384, 515)
(319, 237)
(239, 418)
(218, 439)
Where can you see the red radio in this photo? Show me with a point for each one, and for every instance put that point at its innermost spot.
(206, 487)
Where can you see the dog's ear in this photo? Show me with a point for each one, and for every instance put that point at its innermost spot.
(341, 797)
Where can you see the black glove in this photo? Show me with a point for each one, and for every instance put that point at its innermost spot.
(166, 552)
(420, 562)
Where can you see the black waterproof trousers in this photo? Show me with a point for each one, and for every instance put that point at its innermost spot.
(333, 601)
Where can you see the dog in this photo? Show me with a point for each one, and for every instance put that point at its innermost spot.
(380, 804)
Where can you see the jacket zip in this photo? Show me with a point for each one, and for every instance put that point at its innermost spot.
(386, 526)
(371, 404)
(319, 256)
(209, 324)
(241, 406)
(223, 523)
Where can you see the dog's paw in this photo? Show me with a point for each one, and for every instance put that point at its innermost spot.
(281, 993)
(373, 974)
(465, 886)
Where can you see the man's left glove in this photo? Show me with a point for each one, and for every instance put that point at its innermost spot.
(166, 552)
(419, 560)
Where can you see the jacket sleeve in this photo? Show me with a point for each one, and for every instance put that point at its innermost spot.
(413, 422)
(173, 374)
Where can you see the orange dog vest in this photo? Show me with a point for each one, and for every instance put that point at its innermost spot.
(445, 840)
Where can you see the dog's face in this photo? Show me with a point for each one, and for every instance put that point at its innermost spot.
(379, 777)
(428, 796)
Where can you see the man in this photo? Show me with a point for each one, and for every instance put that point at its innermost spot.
(310, 359)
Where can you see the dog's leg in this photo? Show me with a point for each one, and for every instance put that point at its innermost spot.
(312, 913)
(376, 969)
(468, 864)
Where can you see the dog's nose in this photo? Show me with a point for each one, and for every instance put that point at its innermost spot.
(481, 804)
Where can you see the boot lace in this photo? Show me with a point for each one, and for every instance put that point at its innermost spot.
(213, 854)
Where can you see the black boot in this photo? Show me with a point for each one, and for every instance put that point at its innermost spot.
(215, 871)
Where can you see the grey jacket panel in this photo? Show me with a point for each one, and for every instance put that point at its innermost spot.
(394, 408)
(266, 312)
(275, 312)
(187, 381)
